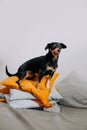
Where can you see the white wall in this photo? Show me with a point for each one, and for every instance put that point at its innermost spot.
(26, 26)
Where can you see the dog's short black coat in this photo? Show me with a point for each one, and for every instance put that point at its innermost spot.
(42, 65)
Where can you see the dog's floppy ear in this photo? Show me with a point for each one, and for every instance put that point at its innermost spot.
(47, 46)
(63, 46)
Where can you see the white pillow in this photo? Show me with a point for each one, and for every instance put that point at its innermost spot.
(19, 95)
(21, 99)
(24, 104)
(74, 91)
(55, 108)
(55, 95)
(31, 104)
(21, 103)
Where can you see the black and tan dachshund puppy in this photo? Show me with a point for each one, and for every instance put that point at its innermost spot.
(43, 65)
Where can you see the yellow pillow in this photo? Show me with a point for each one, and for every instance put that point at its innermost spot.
(41, 92)
(9, 83)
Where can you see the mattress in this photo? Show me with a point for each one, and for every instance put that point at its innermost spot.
(72, 114)
(24, 119)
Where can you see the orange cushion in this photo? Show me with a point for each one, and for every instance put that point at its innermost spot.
(41, 92)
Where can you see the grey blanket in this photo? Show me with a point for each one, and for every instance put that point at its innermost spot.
(27, 119)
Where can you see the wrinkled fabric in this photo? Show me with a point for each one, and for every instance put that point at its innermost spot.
(26, 119)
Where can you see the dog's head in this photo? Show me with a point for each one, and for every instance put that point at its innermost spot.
(55, 47)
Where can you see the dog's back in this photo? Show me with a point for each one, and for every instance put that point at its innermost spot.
(34, 64)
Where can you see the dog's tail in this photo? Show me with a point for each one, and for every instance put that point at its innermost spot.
(9, 74)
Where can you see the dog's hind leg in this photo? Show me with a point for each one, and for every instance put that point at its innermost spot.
(25, 75)
(21, 75)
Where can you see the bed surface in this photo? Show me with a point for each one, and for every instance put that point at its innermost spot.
(72, 115)
(25, 119)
